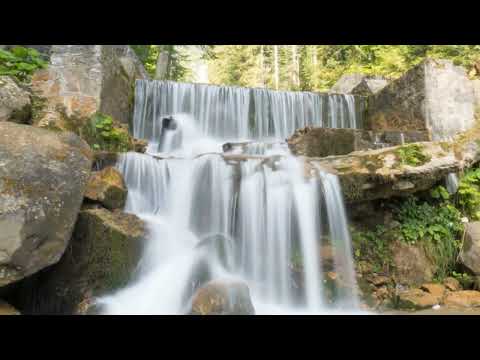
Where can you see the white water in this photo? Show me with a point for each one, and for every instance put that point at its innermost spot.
(263, 212)
(451, 182)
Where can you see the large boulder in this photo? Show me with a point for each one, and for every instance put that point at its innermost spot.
(101, 258)
(84, 79)
(108, 188)
(15, 104)
(43, 176)
(411, 266)
(359, 84)
(434, 96)
(223, 297)
(470, 252)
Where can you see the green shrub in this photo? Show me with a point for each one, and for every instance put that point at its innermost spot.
(20, 62)
(372, 246)
(412, 155)
(435, 226)
(102, 134)
(469, 194)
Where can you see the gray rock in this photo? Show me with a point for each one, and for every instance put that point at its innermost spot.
(359, 84)
(320, 142)
(43, 176)
(470, 252)
(15, 104)
(434, 96)
(84, 79)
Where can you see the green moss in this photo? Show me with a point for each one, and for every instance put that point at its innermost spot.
(412, 155)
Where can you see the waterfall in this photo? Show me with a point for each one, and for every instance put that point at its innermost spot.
(451, 182)
(246, 209)
(240, 113)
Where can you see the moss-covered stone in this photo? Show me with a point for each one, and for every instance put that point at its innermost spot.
(108, 188)
(101, 258)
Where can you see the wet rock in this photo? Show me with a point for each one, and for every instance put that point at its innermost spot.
(470, 252)
(7, 309)
(411, 264)
(452, 284)
(463, 299)
(101, 258)
(15, 103)
(140, 145)
(416, 299)
(108, 188)
(43, 176)
(223, 297)
(434, 96)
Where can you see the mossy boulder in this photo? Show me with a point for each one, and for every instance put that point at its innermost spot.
(107, 188)
(470, 252)
(101, 258)
(43, 176)
(411, 265)
(15, 103)
(223, 297)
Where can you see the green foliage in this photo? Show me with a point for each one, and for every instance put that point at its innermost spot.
(469, 194)
(440, 193)
(373, 247)
(436, 226)
(412, 155)
(320, 66)
(20, 62)
(467, 281)
(102, 134)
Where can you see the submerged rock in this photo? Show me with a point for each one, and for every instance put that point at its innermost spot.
(43, 176)
(15, 104)
(470, 252)
(108, 188)
(223, 297)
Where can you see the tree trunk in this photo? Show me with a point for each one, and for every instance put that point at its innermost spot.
(295, 67)
(275, 59)
(163, 63)
(262, 66)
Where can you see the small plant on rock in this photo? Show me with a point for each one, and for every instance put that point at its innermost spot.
(103, 134)
(469, 194)
(412, 155)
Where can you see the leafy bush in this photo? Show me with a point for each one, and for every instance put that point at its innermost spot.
(469, 194)
(372, 246)
(412, 155)
(102, 134)
(435, 226)
(20, 62)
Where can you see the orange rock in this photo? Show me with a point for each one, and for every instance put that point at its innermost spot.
(464, 298)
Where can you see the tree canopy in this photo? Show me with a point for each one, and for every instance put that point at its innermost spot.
(302, 67)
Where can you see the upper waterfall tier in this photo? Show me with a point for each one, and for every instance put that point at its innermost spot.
(227, 112)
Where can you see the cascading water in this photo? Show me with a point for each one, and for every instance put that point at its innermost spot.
(246, 210)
